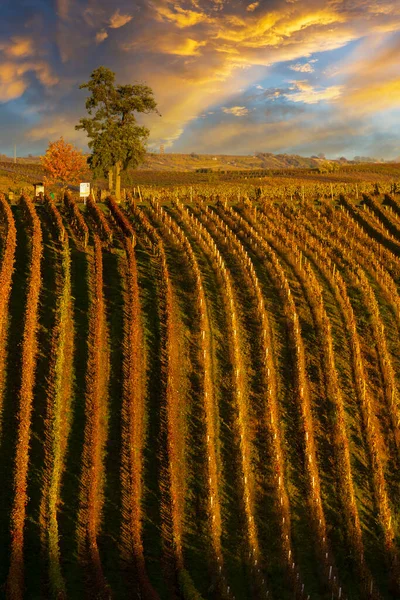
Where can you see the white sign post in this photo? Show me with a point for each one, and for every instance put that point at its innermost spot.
(84, 191)
(39, 189)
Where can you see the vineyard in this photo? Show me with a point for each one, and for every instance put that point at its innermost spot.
(207, 184)
(200, 395)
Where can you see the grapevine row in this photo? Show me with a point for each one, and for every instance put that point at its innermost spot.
(246, 481)
(133, 428)
(323, 262)
(92, 472)
(76, 219)
(261, 243)
(226, 225)
(57, 423)
(389, 289)
(121, 219)
(313, 292)
(381, 216)
(15, 581)
(172, 476)
(6, 272)
(100, 220)
(208, 399)
(374, 229)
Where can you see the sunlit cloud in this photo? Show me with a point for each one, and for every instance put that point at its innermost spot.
(101, 36)
(180, 47)
(19, 47)
(224, 40)
(119, 20)
(305, 92)
(54, 128)
(180, 17)
(252, 7)
(374, 97)
(372, 76)
(116, 21)
(237, 111)
(63, 7)
(201, 56)
(302, 68)
(13, 78)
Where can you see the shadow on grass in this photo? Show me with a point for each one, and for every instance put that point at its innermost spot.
(195, 538)
(70, 487)
(108, 539)
(147, 277)
(36, 578)
(303, 536)
(265, 478)
(233, 523)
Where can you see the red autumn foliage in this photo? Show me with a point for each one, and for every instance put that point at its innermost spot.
(64, 163)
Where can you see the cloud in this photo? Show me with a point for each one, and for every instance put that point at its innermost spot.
(298, 132)
(372, 76)
(116, 21)
(198, 54)
(237, 111)
(63, 7)
(374, 97)
(101, 36)
(302, 68)
(180, 46)
(119, 20)
(19, 47)
(180, 17)
(53, 128)
(14, 81)
(274, 93)
(226, 45)
(302, 91)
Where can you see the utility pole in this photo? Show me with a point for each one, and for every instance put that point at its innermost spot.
(15, 153)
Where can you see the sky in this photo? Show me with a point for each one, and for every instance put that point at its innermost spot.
(229, 76)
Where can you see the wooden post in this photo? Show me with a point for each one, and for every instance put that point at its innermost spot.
(110, 180)
(118, 181)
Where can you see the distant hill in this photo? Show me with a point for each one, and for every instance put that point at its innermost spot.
(227, 162)
(193, 162)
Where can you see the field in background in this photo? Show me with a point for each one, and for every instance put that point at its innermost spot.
(274, 184)
(201, 400)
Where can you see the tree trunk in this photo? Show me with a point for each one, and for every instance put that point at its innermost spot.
(110, 180)
(118, 181)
